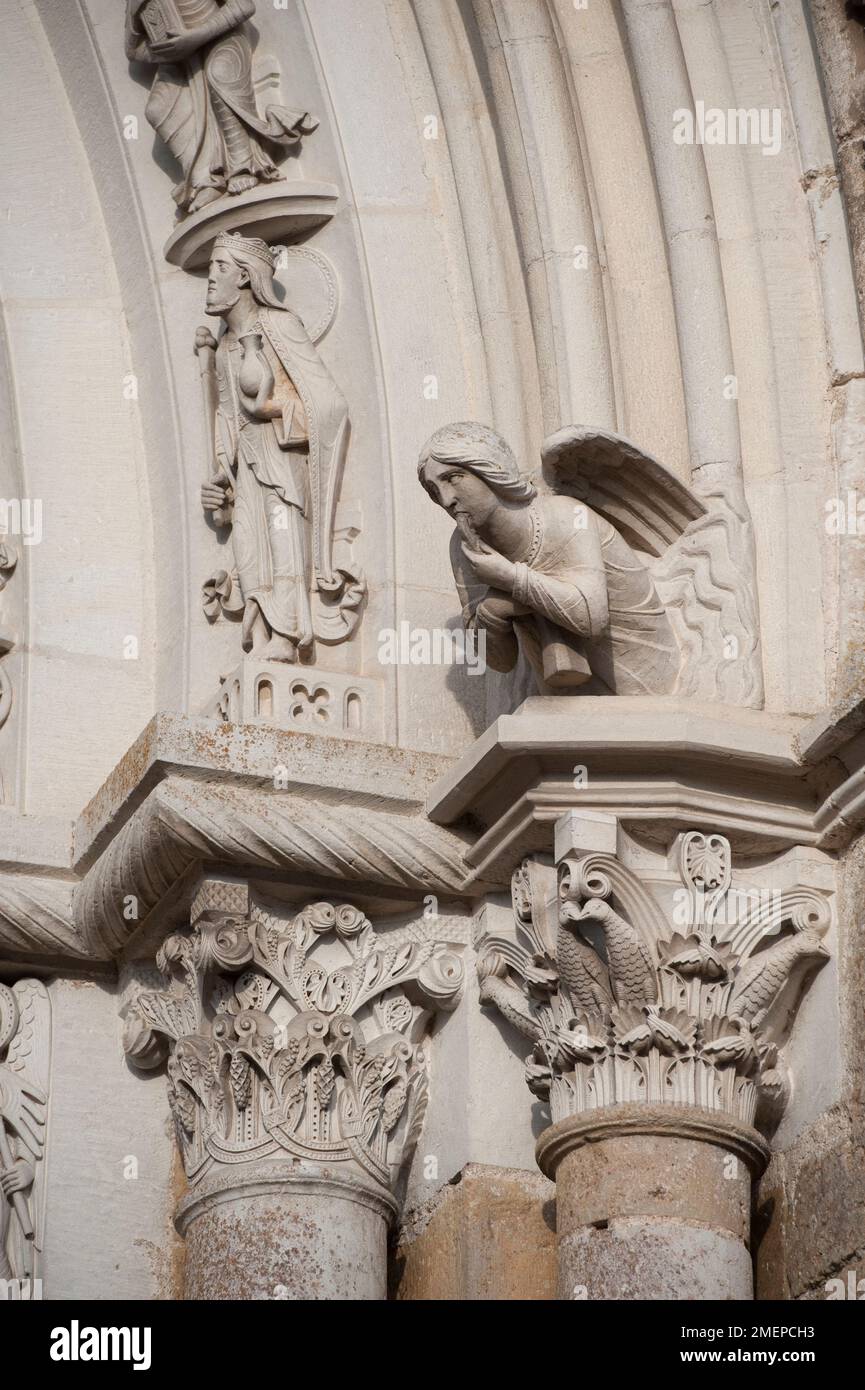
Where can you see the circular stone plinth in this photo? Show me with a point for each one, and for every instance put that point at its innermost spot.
(671, 1121)
(275, 212)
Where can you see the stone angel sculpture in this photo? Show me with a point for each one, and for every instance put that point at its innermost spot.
(25, 1050)
(202, 102)
(279, 425)
(612, 577)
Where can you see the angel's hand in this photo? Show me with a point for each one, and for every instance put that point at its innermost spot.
(491, 568)
(500, 606)
(17, 1178)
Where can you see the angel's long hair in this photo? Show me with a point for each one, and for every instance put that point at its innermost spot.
(479, 450)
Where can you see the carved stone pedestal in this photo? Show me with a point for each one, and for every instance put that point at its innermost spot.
(306, 698)
(652, 1202)
(277, 1234)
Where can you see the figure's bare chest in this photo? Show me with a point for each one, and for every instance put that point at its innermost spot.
(232, 399)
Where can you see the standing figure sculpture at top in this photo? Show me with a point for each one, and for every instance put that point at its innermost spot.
(202, 102)
(614, 577)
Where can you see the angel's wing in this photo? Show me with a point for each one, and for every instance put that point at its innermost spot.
(23, 1109)
(646, 503)
(29, 1052)
(701, 555)
(25, 1080)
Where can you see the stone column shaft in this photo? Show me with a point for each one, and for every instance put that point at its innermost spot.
(652, 1203)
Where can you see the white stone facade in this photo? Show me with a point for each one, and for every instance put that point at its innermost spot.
(322, 806)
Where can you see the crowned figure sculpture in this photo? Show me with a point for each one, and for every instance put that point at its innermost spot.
(280, 427)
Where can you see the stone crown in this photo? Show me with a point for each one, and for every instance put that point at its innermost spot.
(250, 246)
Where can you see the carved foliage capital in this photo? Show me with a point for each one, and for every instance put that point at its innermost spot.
(302, 1034)
(626, 1001)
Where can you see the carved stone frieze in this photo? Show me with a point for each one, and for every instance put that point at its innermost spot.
(626, 1002)
(297, 1034)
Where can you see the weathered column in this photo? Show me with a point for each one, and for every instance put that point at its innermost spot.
(272, 1233)
(656, 1020)
(653, 1202)
(297, 1079)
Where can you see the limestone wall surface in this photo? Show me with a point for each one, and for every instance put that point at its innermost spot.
(241, 777)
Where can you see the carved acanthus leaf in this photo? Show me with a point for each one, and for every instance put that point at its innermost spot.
(314, 1044)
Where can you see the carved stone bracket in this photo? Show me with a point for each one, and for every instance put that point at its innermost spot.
(626, 1003)
(280, 214)
(296, 1036)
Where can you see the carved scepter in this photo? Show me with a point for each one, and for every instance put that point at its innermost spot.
(205, 351)
(22, 1211)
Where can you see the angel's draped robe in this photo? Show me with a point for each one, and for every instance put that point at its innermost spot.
(588, 582)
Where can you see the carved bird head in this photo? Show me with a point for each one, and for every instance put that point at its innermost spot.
(594, 910)
(811, 943)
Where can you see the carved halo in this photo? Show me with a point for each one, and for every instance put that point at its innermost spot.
(311, 289)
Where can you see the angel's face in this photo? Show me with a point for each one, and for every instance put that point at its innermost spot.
(460, 492)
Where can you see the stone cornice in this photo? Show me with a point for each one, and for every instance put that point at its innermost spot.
(194, 790)
(766, 781)
(206, 750)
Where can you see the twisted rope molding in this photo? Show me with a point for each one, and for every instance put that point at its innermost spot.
(36, 918)
(181, 822)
